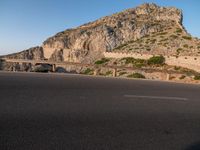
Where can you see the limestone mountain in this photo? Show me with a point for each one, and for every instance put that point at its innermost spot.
(147, 28)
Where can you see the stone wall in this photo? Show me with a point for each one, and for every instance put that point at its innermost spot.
(190, 62)
(125, 54)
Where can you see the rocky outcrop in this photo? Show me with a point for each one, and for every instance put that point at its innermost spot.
(35, 53)
(57, 55)
(89, 41)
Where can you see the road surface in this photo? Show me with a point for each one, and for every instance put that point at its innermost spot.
(72, 112)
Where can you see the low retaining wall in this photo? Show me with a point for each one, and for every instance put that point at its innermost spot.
(122, 55)
(190, 62)
(184, 61)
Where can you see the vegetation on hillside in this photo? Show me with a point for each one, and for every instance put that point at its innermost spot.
(135, 62)
(88, 71)
(136, 75)
(156, 60)
(102, 61)
(197, 77)
(172, 41)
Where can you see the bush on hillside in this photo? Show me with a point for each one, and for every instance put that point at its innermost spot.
(102, 61)
(136, 75)
(197, 77)
(88, 71)
(156, 60)
(187, 37)
(178, 30)
(136, 62)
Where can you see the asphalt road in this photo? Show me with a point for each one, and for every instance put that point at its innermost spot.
(72, 112)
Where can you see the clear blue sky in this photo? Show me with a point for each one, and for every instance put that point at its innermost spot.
(27, 23)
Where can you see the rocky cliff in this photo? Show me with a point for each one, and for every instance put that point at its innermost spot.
(88, 42)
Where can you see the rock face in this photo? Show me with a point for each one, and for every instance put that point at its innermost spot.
(88, 42)
(35, 53)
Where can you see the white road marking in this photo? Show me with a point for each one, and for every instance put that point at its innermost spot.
(157, 97)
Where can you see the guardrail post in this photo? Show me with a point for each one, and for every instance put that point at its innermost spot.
(53, 67)
(13, 69)
(168, 76)
(95, 72)
(20, 66)
(114, 72)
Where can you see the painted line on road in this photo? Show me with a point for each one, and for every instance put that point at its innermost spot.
(157, 97)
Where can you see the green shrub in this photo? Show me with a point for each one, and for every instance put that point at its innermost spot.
(178, 30)
(102, 61)
(108, 73)
(179, 50)
(148, 39)
(177, 68)
(187, 37)
(197, 77)
(188, 72)
(161, 36)
(135, 62)
(122, 73)
(88, 71)
(148, 49)
(128, 60)
(185, 45)
(173, 36)
(182, 77)
(136, 75)
(114, 63)
(156, 60)
(130, 49)
(172, 77)
(165, 44)
(153, 41)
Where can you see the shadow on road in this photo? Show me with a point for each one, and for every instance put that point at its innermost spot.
(194, 146)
